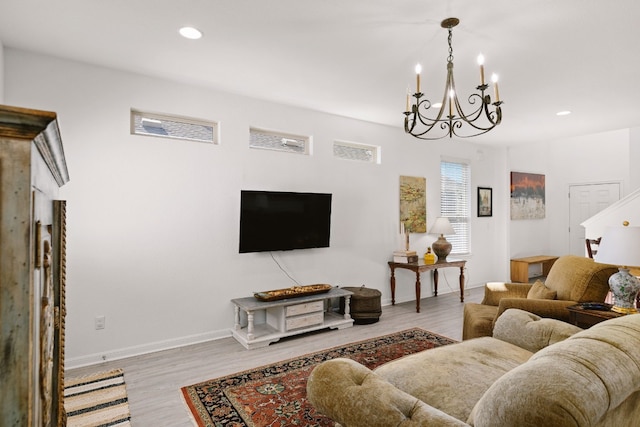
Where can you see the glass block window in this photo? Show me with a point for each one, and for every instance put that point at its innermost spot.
(167, 126)
(273, 140)
(356, 151)
(455, 203)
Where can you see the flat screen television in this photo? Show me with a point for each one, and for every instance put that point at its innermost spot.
(281, 221)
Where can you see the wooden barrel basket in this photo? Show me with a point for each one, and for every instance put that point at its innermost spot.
(364, 305)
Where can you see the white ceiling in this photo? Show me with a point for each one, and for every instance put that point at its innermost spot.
(356, 57)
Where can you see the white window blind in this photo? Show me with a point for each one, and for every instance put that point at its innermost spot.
(356, 151)
(455, 202)
(272, 140)
(168, 126)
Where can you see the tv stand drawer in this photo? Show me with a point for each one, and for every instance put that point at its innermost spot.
(304, 321)
(310, 307)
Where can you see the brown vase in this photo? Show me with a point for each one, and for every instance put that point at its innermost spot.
(441, 248)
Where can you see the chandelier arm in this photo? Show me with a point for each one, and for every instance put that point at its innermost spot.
(471, 118)
(418, 117)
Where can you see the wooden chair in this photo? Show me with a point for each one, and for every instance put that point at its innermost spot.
(592, 246)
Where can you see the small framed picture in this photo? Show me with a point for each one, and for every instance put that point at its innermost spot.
(485, 201)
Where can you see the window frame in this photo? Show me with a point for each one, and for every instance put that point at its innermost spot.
(307, 140)
(375, 150)
(215, 126)
(455, 202)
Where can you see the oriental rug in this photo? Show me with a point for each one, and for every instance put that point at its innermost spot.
(275, 395)
(97, 400)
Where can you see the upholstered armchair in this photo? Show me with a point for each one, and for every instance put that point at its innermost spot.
(571, 280)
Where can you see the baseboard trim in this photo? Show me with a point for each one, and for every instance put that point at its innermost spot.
(123, 353)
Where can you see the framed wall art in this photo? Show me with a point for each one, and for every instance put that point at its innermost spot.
(485, 201)
(413, 203)
(527, 196)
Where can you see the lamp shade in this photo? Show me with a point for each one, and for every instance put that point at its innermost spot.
(442, 226)
(620, 246)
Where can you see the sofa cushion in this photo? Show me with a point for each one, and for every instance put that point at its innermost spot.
(339, 385)
(591, 378)
(540, 291)
(531, 332)
(452, 378)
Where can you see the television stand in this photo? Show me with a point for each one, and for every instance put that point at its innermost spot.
(287, 317)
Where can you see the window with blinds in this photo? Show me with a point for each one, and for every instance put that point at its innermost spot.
(175, 127)
(455, 202)
(270, 140)
(356, 151)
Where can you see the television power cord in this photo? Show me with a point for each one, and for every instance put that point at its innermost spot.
(283, 270)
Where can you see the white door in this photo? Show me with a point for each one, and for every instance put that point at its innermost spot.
(584, 202)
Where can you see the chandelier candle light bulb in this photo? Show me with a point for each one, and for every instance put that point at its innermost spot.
(494, 79)
(452, 95)
(481, 64)
(418, 71)
(408, 97)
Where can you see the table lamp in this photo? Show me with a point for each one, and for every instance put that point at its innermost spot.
(621, 246)
(441, 247)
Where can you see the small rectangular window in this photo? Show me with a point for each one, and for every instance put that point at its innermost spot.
(356, 151)
(272, 140)
(167, 126)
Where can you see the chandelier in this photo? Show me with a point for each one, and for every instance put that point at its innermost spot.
(450, 119)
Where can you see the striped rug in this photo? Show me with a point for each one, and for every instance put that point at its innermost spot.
(97, 400)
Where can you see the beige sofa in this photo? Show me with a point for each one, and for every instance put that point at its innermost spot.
(528, 374)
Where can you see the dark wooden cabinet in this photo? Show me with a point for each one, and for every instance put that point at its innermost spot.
(585, 318)
(32, 268)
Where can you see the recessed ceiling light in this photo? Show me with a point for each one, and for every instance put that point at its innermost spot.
(190, 33)
(563, 113)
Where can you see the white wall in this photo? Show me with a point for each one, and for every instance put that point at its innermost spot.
(589, 159)
(153, 224)
(1, 73)
(634, 157)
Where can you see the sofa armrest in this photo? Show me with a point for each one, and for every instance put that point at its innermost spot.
(495, 291)
(554, 309)
(531, 332)
(354, 396)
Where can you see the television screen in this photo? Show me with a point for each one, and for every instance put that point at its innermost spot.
(280, 221)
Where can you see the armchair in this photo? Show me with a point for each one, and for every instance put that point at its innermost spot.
(571, 280)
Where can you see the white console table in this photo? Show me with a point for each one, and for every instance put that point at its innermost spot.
(288, 317)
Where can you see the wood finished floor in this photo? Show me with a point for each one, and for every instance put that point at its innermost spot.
(154, 380)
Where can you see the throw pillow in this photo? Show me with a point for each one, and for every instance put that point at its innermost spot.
(540, 291)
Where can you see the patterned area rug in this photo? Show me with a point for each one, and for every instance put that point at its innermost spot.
(275, 395)
(97, 400)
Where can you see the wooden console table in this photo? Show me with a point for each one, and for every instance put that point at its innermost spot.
(419, 267)
(288, 317)
(520, 266)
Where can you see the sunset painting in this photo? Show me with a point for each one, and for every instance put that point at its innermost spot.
(527, 196)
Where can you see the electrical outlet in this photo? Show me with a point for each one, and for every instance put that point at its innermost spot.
(100, 322)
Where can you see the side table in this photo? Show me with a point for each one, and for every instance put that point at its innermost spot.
(419, 267)
(585, 318)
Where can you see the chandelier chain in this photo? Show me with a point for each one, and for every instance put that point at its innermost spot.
(450, 58)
